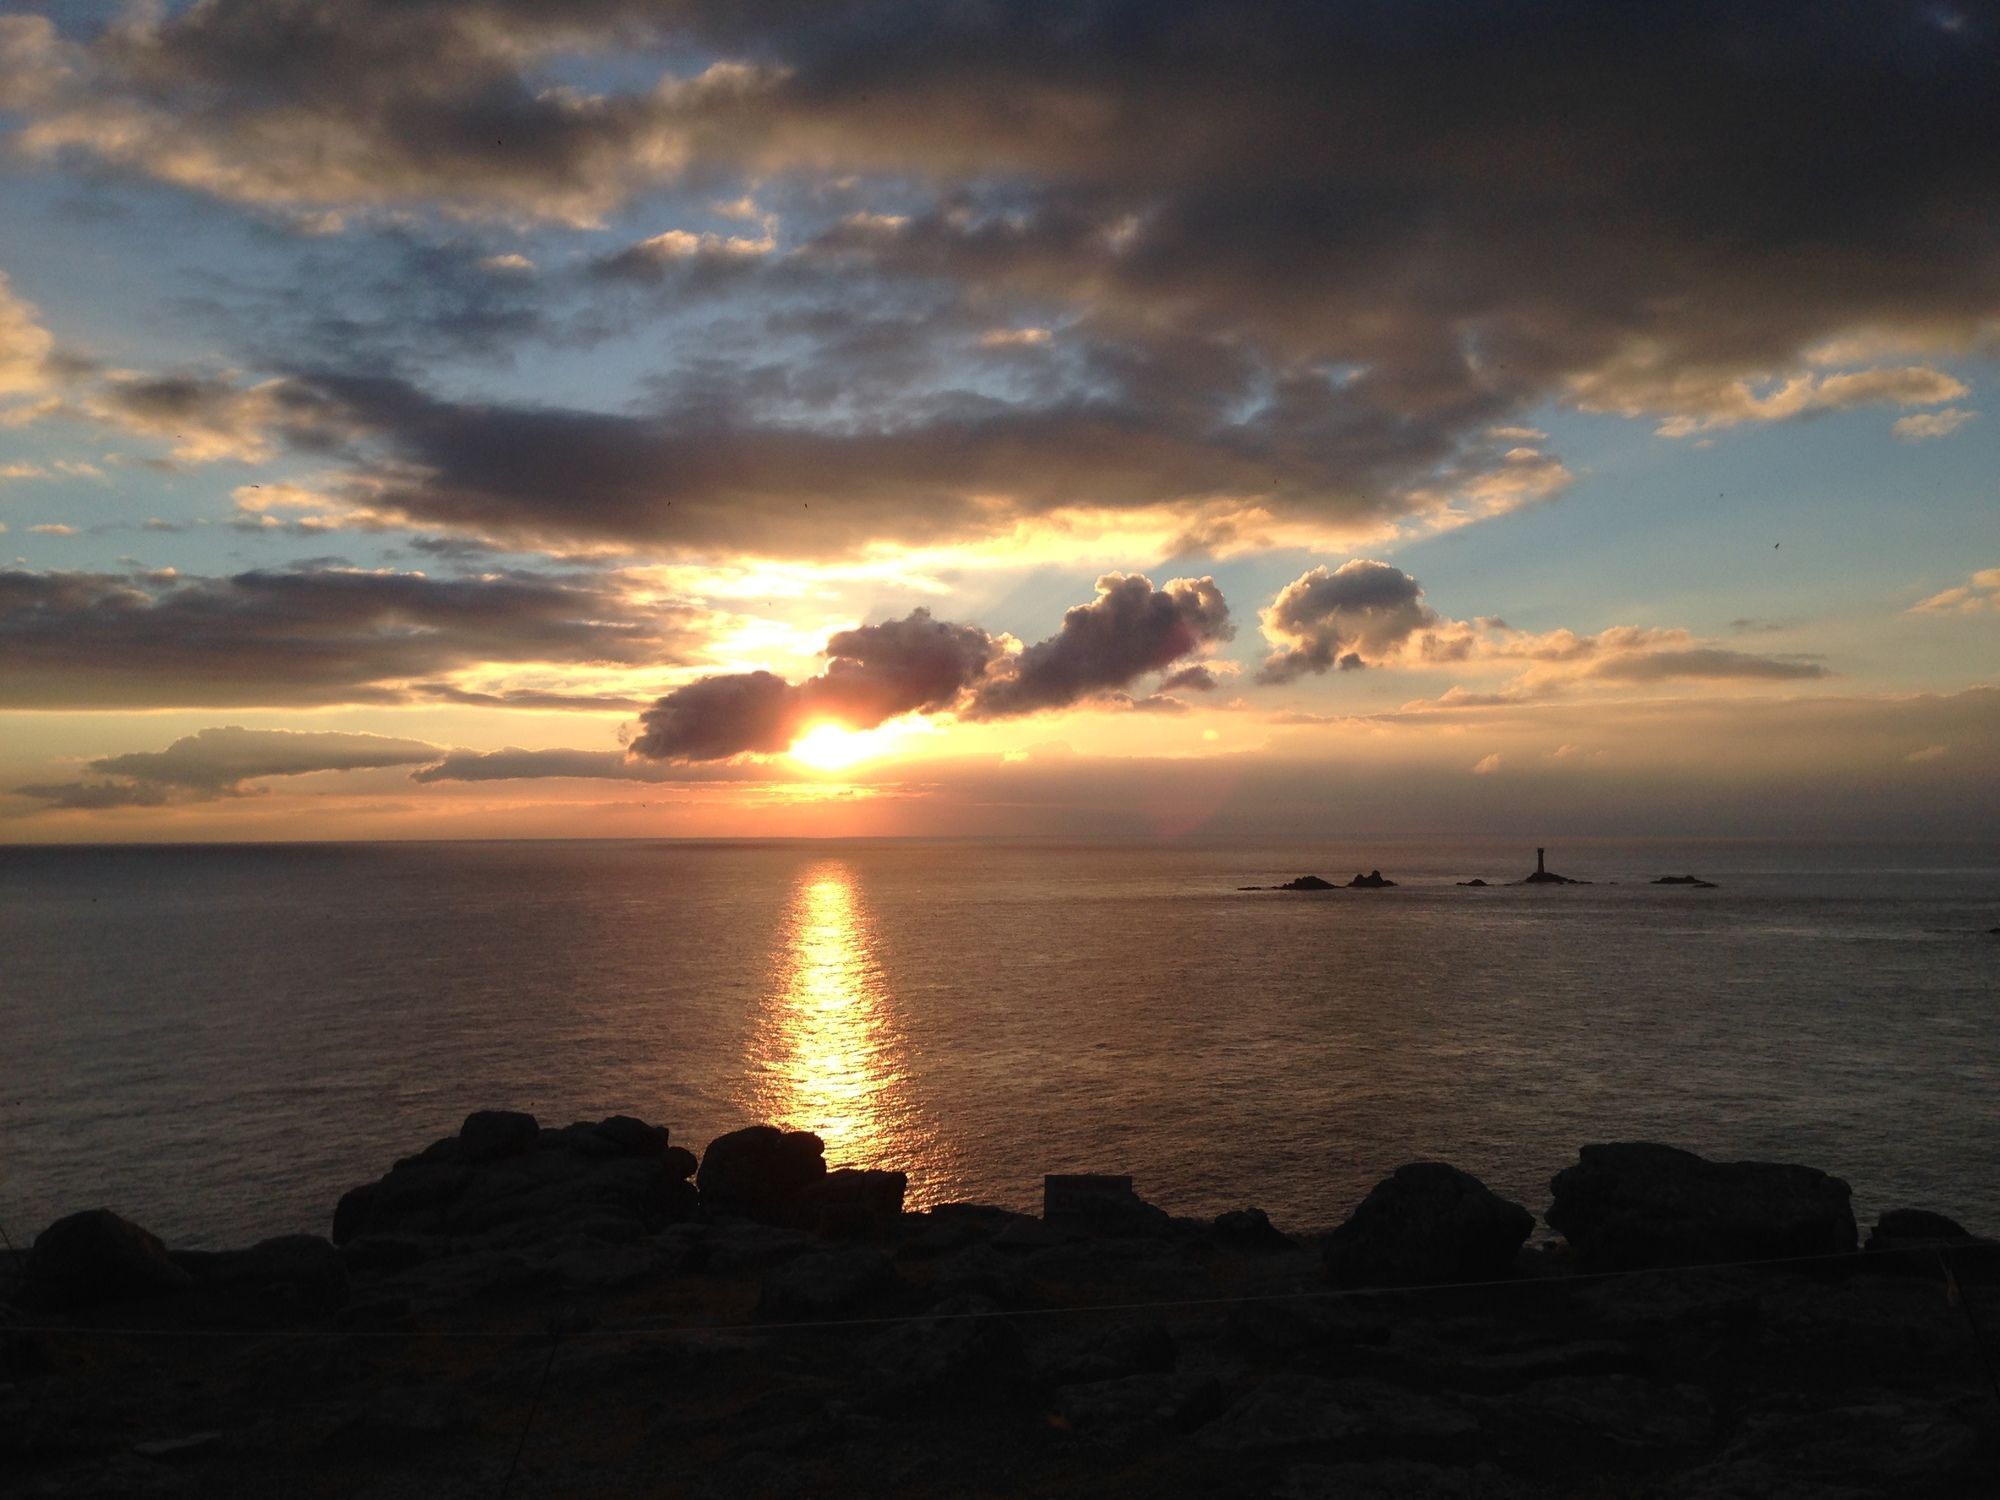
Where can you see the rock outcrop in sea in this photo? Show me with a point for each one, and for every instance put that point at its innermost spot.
(593, 1309)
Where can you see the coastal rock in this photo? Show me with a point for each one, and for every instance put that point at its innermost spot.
(828, 1284)
(1688, 880)
(490, 1134)
(96, 1257)
(1914, 1229)
(1372, 881)
(1288, 1410)
(1097, 1203)
(1305, 883)
(1475, 881)
(854, 1201)
(1636, 1204)
(1249, 1229)
(960, 1351)
(761, 1172)
(1623, 1409)
(1397, 1479)
(498, 1175)
(304, 1267)
(1427, 1222)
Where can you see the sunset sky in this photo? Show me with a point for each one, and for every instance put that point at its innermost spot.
(625, 417)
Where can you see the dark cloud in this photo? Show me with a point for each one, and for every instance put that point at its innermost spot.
(873, 673)
(1656, 666)
(1299, 258)
(596, 765)
(1194, 679)
(218, 763)
(922, 665)
(88, 640)
(97, 795)
(1349, 617)
(1130, 628)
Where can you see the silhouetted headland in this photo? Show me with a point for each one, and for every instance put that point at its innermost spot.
(595, 1309)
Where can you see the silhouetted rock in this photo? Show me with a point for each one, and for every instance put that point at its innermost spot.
(1473, 881)
(854, 1201)
(95, 1257)
(761, 1172)
(304, 1267)
(502, 1172)
(1694, 880)
(490, 1134)
(1305, 883)
(1097, 1203)
(1908, 1228)
(1635, 1204)
(1427, 1222)
(1372, 881)
(1250, 1229)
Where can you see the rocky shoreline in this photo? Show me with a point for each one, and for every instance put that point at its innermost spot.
(595, 1309)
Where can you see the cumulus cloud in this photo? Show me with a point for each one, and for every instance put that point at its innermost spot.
(923, 665)
(1367, 614)
(220, 762)
(308, 635)
(1353, 616)
(1130, 628)
(1487, 765)
(873, 673)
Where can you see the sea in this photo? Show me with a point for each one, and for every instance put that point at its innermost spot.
(217, 1041)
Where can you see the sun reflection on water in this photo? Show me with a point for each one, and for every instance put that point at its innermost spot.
(829, 1056)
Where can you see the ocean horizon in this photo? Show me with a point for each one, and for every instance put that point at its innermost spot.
(217, 1040)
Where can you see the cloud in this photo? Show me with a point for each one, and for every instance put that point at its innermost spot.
(595, 765)
(217, 763)
(1698, 401)
(1712, 662)
(1354, 616)
(1487, 765)
(25, 352)
(1199, 678)
(1931, 424)
(1975, 596)
(873, 673)
(1130, 628)
(919, 664)
(52, 528)
(307, 635)
(1310, 275)
(1928, 753)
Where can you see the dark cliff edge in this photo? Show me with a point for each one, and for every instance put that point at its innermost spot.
(594, 1309)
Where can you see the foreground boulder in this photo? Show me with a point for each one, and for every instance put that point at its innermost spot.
(96, 1257)
(1636, 1204)
(762, 1172)
(1426, 1223)
(502, 1171)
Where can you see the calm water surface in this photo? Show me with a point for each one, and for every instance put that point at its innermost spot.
(218, 1041)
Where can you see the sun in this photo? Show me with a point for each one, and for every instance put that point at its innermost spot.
(829, 747)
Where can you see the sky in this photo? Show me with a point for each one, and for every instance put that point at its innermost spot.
(655, 418)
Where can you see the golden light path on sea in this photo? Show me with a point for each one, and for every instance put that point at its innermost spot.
(828, 1055)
